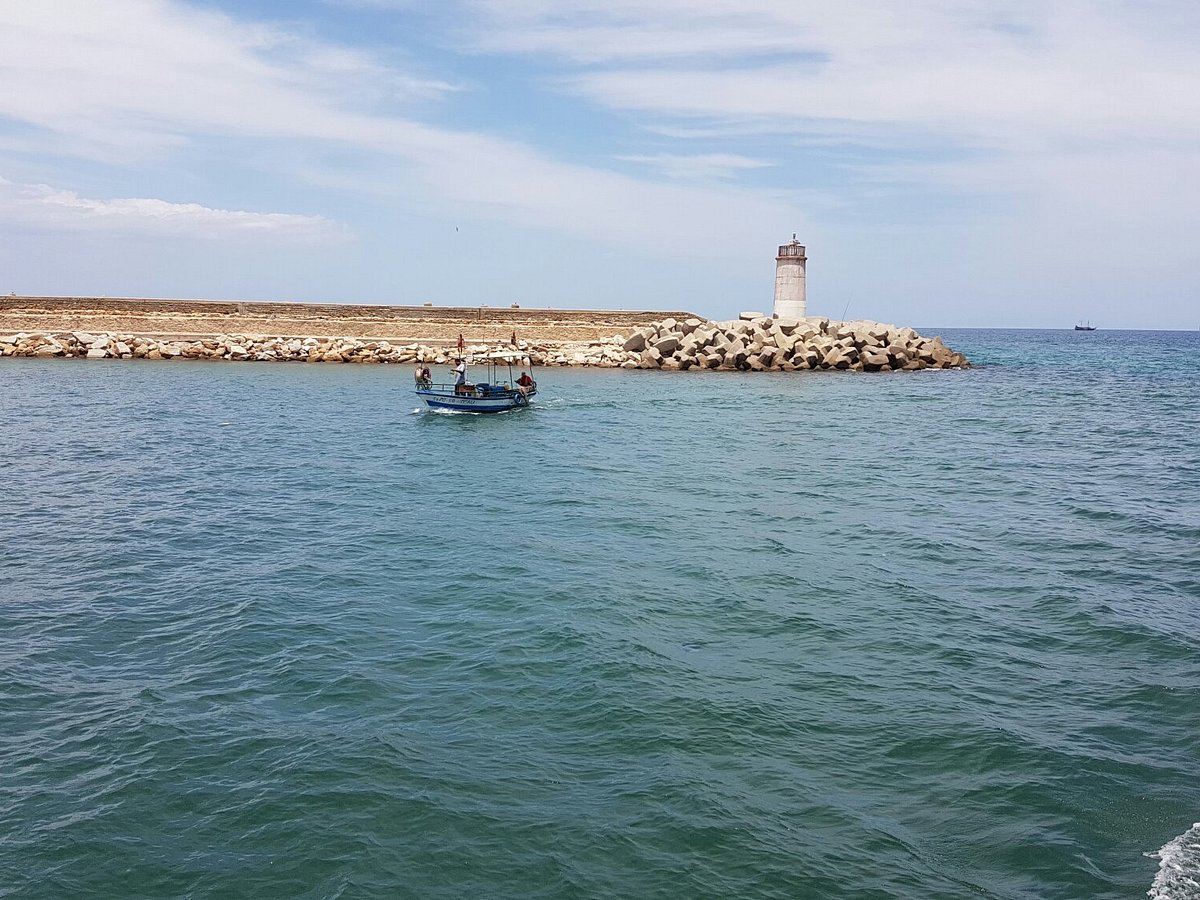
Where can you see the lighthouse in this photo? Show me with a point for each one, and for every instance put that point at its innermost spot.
(790, 301)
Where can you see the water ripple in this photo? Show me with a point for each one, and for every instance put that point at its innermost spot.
(265, 633)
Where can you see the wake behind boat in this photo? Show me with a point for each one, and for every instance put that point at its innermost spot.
(486, 397)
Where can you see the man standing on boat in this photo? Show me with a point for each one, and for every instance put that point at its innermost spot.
(460, 376)
(525, 383)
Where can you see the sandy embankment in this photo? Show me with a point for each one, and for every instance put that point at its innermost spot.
(197, 319)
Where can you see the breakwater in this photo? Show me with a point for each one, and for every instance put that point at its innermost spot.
(751, 343)
(761, 343)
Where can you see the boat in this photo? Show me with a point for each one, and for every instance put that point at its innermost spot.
(492, 396)
(1088, 327)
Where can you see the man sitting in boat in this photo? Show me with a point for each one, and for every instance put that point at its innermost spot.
(525, 383)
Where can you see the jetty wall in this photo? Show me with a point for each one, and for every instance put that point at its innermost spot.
(200, 319)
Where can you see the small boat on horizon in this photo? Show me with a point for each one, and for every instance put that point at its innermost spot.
(1088, 327)
(491, 396)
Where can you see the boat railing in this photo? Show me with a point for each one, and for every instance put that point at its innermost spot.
(481, 389)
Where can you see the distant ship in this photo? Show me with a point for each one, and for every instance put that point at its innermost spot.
(1088, 327)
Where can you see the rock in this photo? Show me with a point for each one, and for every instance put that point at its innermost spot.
(785, 342)
(806, 360)
(667, 344)
(636, 343)
(865, 339)
(750, 316)
(874, 362)
(942, 355)
(836, 359)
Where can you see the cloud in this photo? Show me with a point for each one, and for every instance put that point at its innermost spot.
(43, 206)
(1010, 123)
(1002, 73)
(137, 80)
(699, 167)
(1045, 126)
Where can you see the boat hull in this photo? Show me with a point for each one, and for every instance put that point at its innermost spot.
(477, 404)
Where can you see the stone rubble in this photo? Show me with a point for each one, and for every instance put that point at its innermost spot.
(752, 342)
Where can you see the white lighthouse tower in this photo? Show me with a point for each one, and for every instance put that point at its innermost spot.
(790, 300)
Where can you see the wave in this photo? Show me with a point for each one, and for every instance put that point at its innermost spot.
(1178, 875)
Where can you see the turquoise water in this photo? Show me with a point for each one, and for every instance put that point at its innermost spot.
(268, 631)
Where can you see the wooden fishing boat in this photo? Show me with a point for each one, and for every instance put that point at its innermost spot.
(492, 396)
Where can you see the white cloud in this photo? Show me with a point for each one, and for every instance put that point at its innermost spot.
(697, 167)
(43, 206)
(1004, 72)
(1059, 130)
(870, 113)
(134, 78)
(143, 76)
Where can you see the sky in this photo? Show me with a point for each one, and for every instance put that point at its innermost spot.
(949, 163)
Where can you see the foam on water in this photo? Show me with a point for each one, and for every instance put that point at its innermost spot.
(1178, 875)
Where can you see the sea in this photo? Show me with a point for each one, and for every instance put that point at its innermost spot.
(271, 630)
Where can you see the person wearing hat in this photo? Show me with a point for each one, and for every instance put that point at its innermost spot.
(460, 375)
(525, 383)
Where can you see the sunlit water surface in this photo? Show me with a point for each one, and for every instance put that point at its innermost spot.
(269, 631)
